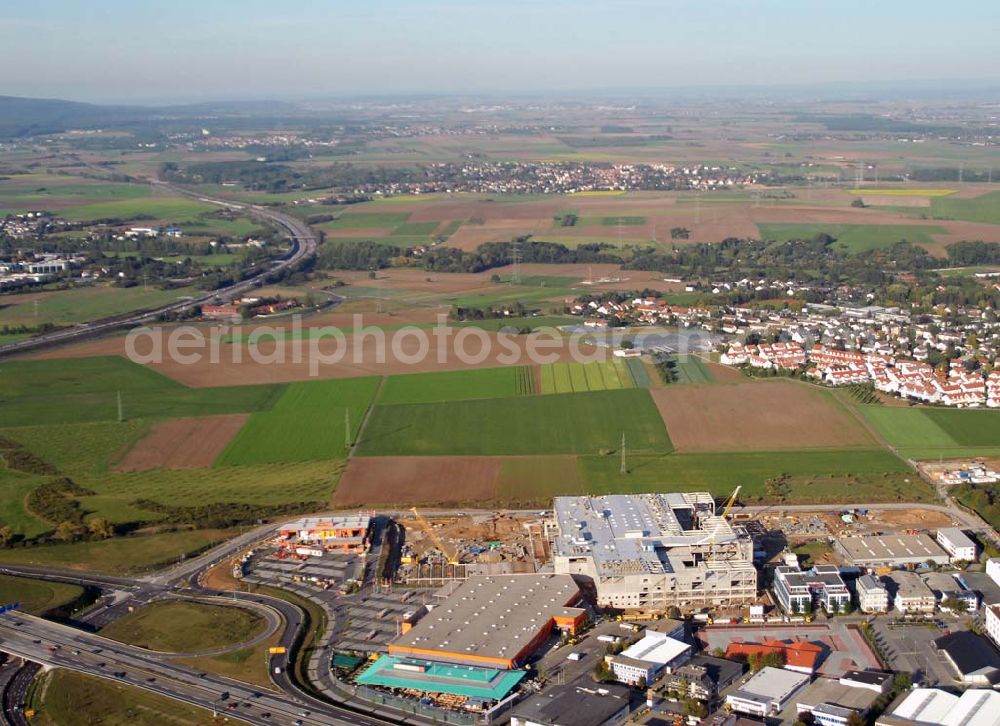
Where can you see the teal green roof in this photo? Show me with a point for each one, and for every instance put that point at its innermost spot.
(422, 675)
(343, 660)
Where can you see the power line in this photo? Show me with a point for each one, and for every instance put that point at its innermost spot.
(624, 469)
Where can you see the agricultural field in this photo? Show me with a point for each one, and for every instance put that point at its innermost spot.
(53, 192)
(84, 304)
(691, 369)
(757, 415)
(922, 432)
(176, 210)
(119, 556)
(309, 422)
(460, 385)
(75, 390)
(610, 375)
(984, 209)
(566, 423)
(183, 443)
(855, 238)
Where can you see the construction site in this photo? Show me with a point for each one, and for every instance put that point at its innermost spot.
(444, 548)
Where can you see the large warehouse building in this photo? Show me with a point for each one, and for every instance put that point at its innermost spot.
(494, 622)
(652, 551)
(891, 550)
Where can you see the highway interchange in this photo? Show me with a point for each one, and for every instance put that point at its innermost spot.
(303, 247)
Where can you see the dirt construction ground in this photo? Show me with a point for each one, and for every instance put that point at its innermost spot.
(182, 443)
(398, 480)
(757, 415)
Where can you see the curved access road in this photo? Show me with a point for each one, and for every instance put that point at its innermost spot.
(303, 246)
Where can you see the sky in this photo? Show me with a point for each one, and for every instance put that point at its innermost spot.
(187, 50)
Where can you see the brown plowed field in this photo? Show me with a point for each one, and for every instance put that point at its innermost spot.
(183, 443)
(278, 362)
(398, 480)
(756, 416)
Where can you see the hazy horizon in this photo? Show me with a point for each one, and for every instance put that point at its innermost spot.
(120, 51)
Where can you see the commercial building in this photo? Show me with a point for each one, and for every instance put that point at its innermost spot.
(573, 706)
(767, 692)
(833, 702)
(462, 682)
(934, 707)
(494, 622)
(644, 661)
(957, 544)
(890, 550)
(703, 677)
(974, 660)
(653, 551)
(909, 593)
(993, 569)
(333, 534)
(797, 591)
(873, 597)
(800, 656)
(947, 587)
(876, 681)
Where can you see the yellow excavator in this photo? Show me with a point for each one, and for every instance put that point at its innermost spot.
(429, 531)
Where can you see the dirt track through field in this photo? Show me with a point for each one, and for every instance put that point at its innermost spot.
(756, 416)
(183, 443)
(397, 480)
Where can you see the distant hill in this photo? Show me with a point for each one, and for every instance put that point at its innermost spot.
(21, 117)
(31, 116)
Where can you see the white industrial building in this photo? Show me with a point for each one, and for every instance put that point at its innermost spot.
(993, 569)
(991, 622)
(895, 550)
(873, 597)
(767, 692)
(957, 544)
(910, 593)
(935, 707)
(796, 590)
(645, 660)
(652, 551)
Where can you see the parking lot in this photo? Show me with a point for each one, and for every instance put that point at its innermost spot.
(909, 647)
(371, 620)
(560, 668)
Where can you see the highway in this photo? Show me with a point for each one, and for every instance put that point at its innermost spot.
(303, 246)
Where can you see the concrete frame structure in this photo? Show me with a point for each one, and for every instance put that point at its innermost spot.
(796, 591)
(653, 551)
(494, 622)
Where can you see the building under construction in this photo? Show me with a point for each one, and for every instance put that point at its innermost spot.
(654, 551)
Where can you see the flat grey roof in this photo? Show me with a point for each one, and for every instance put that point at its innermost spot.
(908, 584)
(491, 616)
(957, 537)
(771, 684)
(828, 690)
(575, 705)
(889, 547)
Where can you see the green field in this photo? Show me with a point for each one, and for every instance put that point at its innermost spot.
(178, 626)
(625, 221)
(415, 229)
(86, 389)
(168, 209)
(581, 377)
(854, 238)
(81, 305)
(568, 423)
(119, 556)
(984, 208)
(459, 385)
(930, 433)
(307, 423)
(366, 220)
(691, 369)
(38, 191)
(36, 596)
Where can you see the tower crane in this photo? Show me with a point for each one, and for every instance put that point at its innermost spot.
(424, 525)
